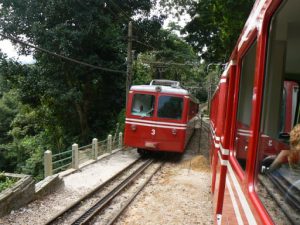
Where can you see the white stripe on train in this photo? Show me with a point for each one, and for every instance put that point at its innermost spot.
(234, 203)
(154, 122)
(154, 125)
(249, 215)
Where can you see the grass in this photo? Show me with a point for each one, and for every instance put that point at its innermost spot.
(6, 182)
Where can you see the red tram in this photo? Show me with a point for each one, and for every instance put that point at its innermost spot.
(159, 117)
(254, 108)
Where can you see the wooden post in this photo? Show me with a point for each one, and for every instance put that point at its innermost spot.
(75, 158)
(120, 140)
(48, 163)
(95, 148)
(109, 143)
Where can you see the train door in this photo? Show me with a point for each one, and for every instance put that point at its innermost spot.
(234, 199)
(171, 112)
(243, 116)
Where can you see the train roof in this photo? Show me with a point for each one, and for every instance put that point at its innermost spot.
(163, 89)
(254, 22)
(166, 87)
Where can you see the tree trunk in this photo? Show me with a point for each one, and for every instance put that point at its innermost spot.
(84, 126)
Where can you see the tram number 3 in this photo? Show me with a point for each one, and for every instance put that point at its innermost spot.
(153, 132)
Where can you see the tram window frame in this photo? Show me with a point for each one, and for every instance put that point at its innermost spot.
(248, 56)
(141, 111)
(283, 111)
(297, 110)
(281, 55)
(159, 115)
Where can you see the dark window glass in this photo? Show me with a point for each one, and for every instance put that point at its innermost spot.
(170, 107)
(245, 106)
(143, 105)
(278, 155)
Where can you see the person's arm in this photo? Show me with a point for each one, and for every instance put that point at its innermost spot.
(281, 158)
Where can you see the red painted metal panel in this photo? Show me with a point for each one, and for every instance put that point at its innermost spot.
(159, 134)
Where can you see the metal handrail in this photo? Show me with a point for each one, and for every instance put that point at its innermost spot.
(61, 153)
(61, 160)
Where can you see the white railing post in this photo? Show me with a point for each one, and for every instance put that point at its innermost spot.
(109, 143)
(75, 158)
(48, 163)
(95, 148)
(120, 140)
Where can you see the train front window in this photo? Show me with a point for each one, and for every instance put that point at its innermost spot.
(170, 107)
(278, 164)
(143, 105)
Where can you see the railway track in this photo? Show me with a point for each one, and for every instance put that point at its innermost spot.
(107, 202)
(282, 191)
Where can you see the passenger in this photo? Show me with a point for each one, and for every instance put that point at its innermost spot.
(291, 156)
(141, 108)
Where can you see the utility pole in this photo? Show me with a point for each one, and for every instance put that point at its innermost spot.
(129, 60)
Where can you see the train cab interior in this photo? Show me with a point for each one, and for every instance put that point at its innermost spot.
(278, 183)
(169, 107)
(143, 105)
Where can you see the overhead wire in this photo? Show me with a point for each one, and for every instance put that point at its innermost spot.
(61, 56)
(121, 10)
(136, 25)
(141, 43)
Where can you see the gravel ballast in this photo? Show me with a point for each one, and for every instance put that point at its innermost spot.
(178, 194)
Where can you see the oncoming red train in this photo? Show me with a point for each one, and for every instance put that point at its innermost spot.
(159, 117)
(254, 108)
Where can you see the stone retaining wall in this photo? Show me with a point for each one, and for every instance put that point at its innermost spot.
(48, 185)
(21, 193)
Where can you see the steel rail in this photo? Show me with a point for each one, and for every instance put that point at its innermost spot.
(89, 194)
(88, 215)
(128, 202)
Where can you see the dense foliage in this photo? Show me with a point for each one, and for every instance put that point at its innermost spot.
(54, 102)
(216, 26)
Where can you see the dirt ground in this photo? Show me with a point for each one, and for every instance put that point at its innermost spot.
(177, 194)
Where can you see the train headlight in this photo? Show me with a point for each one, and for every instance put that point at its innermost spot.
(133, 127)
(174, 131)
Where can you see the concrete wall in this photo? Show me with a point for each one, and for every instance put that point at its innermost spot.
(21, 193)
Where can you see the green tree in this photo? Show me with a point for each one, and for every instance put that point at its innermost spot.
(83, 101)
(174, 59)
(215, 27)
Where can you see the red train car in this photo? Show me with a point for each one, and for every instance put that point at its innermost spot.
(252, 112)
(159, 117)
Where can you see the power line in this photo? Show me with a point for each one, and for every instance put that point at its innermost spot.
(170, 63)
(60, 56)
(146, 45)
(130, 19)
(121, 10)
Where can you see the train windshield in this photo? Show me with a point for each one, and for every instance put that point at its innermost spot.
(143, 105)
(170, 107)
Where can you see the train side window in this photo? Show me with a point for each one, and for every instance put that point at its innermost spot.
(143, 105)
(170, 107)
(278, 159)
(242, 132)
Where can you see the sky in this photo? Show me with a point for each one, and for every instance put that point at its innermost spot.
(7, 48)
